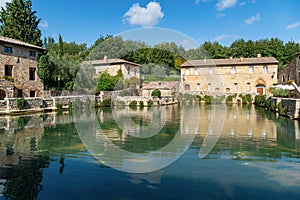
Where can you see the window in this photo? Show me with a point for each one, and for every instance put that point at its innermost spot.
(248, 87)
(211, 70)
(233, 70)
(236, 87)
(128, 70)
(7, 49)
(196, 70)
(20, 93)
(32, 74)
(135, 71)
(8, 70)
(251, 69)
(187, 87)
(32, 93)
(209, 87)
(265, 69)
(187, 71)
(282, 78)
(32, 53)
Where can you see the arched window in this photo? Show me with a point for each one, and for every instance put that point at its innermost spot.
(187, 87)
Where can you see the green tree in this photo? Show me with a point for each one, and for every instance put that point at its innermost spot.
(61, 51)
(45, 70)
(18, 21)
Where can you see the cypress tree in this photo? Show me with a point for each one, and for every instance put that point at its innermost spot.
(18, 21)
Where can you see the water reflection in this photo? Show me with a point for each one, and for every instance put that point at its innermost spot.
(251, 140)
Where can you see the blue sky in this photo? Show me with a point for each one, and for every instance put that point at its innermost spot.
(203, 20)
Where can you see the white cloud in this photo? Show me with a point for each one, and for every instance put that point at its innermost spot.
(292, 26)
(3, 3)
(252, 19)
(146, 17)
(44, 24)
(242, 3)
(199, 1)
(223, 37)
(225, 4)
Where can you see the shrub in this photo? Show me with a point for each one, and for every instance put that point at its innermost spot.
(273, 106)
(268, 103)
(207, 99)
(149, 103)
(21, 103)
(282, 109)
(156, 93)
(70, 106)
(141, 104)
(133, 104)
(59, 108)
(279, 92)
(248, 98)
(260, 100)
(229, 99)
(105, 103)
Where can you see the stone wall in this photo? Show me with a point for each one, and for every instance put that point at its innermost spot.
(292, 105)
(9, 105)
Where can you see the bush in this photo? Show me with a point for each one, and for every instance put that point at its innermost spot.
(70, 106)
(282, 109)
(141, 104)
(229, 99)
(279, 92)
(59, 108)
(260, 100)
(133, 104)
(248, 98)
(105, 103)
(156, 93)
(268, 103)
(207, 99)
(273, 106)
(21, 103)
(149, 103)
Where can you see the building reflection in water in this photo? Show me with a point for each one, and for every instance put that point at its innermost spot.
(28, 143)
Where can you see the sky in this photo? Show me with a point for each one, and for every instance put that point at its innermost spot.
(202, 20)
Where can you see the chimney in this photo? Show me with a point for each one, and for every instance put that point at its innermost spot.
(241, 59)
(230, 57)
(259, 55)
(105, 58)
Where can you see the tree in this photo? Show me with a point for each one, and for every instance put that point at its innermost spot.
(20, 22)
(61, 51)
(45, 70)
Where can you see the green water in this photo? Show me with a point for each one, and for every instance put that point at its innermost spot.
(216, 152)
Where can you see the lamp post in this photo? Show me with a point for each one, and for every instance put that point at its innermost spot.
(58, 85)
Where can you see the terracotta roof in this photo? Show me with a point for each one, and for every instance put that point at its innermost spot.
(229, 61)
(110, 62)
(18, 42)
(161, 85)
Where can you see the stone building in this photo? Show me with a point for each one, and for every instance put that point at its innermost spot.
(167, 89)
(130, 70)
(291, 71)
(18, 69)
(233, 75)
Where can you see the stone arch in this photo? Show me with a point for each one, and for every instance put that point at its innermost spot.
(260, 81)
(2, 94)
